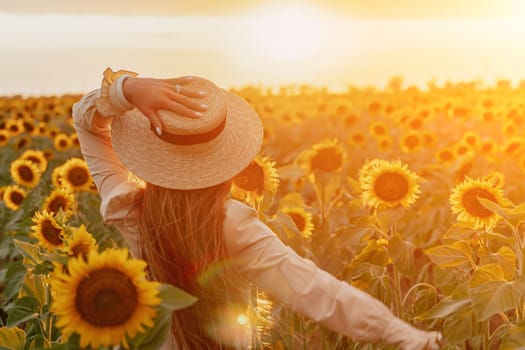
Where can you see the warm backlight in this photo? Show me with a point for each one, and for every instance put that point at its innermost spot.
(287, 33)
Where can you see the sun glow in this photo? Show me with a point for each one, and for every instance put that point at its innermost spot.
(288, 33)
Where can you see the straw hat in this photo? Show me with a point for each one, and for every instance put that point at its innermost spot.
(191, 152)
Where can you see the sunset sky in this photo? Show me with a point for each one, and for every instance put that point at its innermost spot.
(59, 46)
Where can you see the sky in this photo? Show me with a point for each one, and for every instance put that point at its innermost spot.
(63, 46)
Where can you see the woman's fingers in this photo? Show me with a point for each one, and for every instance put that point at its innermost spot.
(181, 90)
(181, 109)
(155, 121)
(190, 103)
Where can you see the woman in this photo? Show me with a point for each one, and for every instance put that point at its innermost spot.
(185, 138)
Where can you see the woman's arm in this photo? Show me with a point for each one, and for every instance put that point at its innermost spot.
(147, 95)
(300, 285)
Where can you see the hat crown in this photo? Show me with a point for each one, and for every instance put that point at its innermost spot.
(211, 118)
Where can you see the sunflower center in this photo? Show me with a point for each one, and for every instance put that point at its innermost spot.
(78, 176)
(411, 141)
(326, 159)
(472, 204)
(251, 178)
(57, 203)
(51, 233)
(391, 186)
(26, 173)
(106, 298)
(16, 197)
(299, 221)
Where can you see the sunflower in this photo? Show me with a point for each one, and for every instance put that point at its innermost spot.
(80, 242)
(368, 166)
(22, 142)
(357, 139)
(302, 218)
(411, 141)
(378, 129)
(47, 230)
(384, 143)
(25, 173)
(61, 142)
(75, 175)
(104, 298)
(471, 138)
(4, 137)
(513, 146)
(60, 199)
(466, 205)
(327, 156)
(496, 179)
(488, 148)
(389, 183)
(445, 155)
(56, 177)
(258, 177)
(73, 138)
(13, 196)
(14, 126)
(37, 157)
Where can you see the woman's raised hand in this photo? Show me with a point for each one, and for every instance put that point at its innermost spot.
(149, 95)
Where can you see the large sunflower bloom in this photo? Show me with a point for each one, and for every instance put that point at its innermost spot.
(104, 298)
(47, 230)
(75, 175)
(25, 173)
(389, 183)
(466, 205)
(36, 157)
(258, 177)
(13, 196)
(60, 199)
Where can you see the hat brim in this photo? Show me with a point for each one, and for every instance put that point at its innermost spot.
(189, 166)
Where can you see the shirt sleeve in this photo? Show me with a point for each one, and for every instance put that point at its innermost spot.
(300, 285)
(119, 194)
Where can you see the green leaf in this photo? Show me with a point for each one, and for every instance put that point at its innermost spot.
(445, 308)
(34, 286)
(174, 298)
(43, 268)
(493, 207)
(402, 255)
(487, 273)
(461, 327)
(12, 338)
(14, 279)
(388, 217)
(450, 255)
(22, 310)
(31, 252)
(496, 296)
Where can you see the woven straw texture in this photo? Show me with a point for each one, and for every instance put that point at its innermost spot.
(197, 165)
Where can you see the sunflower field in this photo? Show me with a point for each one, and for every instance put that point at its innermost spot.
(414, 195)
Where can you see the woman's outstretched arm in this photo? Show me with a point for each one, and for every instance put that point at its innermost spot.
(300, 285)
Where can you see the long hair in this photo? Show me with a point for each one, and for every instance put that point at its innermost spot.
(181, 238)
